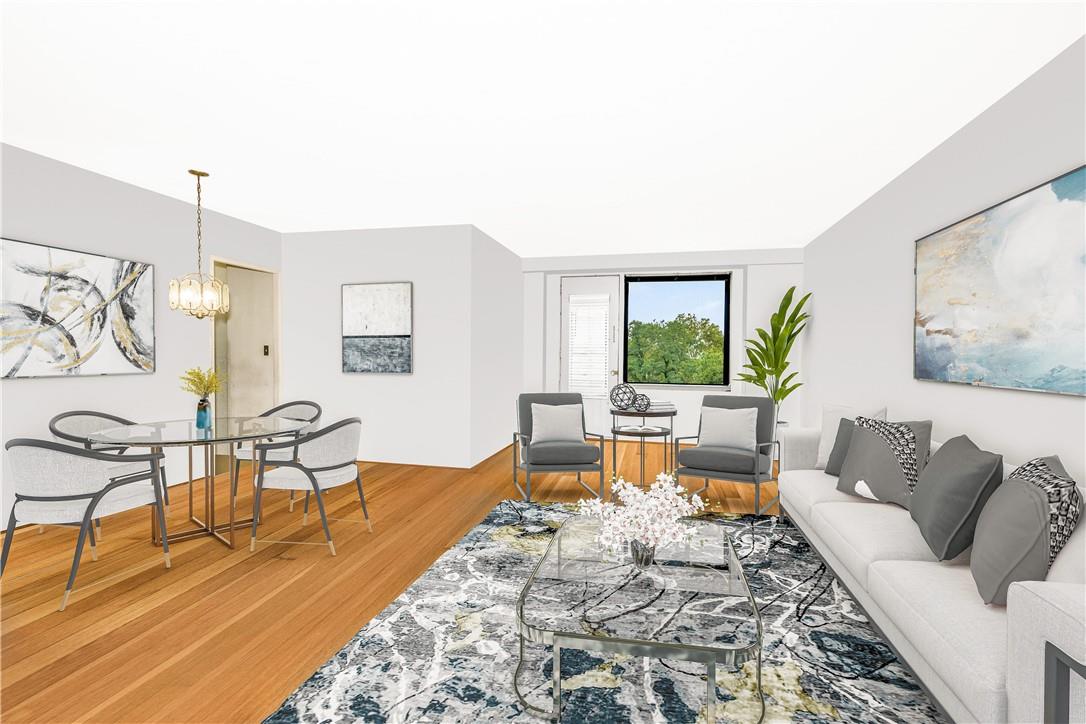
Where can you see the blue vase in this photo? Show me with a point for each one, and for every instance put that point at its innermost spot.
(203, 414)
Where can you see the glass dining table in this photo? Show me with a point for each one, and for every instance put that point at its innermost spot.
(183, 433)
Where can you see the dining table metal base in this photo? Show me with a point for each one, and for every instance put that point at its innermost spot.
(206, 526)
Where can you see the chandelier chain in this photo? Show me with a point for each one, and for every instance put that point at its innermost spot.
(199, 230)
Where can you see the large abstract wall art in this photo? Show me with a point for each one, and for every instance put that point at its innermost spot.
(1001, 295)
(70, 313)
(377, 327)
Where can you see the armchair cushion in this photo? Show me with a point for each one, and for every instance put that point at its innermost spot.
(562, 453)
(734, 428)
(723, 459)
(557, 423)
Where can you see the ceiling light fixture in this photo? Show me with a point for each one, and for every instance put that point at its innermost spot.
(197, 294)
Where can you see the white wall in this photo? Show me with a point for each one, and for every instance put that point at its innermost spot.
(420, 418)
(49, 202)
(860, 347)
(759, 279)
(497, 297)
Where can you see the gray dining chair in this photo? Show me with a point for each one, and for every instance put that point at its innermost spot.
(297, 410)
(553, 457)
(322, 459)
(711, 462)
(74, 428)
(57, 484)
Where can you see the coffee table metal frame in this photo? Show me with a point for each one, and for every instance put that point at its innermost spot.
(725, 654)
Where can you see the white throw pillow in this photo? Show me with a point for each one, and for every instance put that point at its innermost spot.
(725, 427)
(557, 423)
(831, 420)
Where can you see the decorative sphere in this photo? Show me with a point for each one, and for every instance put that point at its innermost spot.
(641, 403)
(622, 396)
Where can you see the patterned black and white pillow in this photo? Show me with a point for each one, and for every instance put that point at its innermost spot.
(1010, 543)
(1064, 500)
(885, 459)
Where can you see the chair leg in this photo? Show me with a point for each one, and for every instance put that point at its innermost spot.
(601, 477)
(165, 487)
(160, 497)
(362, 497)
(527, 486)
(290, 506)
(8, 535)
(235, 475)
(305, 510)
(98, 526)
(757, 498)
(83, 529)
(93, 547)
(324, 518)
(257, 494)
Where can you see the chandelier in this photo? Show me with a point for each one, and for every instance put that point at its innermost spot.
(197, 294)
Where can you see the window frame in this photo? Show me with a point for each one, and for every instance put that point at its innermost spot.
(725, 277)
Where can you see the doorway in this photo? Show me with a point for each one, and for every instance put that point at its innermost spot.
(589, 353)
(246, 343)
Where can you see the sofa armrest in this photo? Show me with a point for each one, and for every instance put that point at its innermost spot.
(1040, 612)
(799, 448)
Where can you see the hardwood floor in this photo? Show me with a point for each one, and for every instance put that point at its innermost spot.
(225, 636)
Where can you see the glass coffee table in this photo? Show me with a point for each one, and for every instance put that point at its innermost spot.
(692, 603)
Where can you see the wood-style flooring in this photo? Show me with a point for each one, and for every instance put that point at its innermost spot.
(225, 636)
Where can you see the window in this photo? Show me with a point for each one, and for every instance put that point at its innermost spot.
(589, 325)
(677, 329)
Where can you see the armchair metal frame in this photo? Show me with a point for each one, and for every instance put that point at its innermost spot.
(153, 475)
(528, 468)
(263, 448)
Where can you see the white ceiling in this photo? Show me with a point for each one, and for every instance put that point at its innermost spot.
(558, 127)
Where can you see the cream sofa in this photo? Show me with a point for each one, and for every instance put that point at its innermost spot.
(980, 663)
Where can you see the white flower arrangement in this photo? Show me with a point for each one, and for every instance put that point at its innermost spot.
(650, 517)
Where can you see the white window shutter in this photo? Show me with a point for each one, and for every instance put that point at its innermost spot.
(589, 334)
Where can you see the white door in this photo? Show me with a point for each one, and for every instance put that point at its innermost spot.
(589, 355)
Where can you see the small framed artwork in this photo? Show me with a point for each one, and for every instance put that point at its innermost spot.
(66, 313)
(377, 335)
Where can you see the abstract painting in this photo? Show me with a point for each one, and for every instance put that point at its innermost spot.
(70, 313)
(1000, 296)
(377, 327)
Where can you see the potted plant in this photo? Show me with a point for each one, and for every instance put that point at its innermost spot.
(203, 384)
(644, 519)
(768, 355)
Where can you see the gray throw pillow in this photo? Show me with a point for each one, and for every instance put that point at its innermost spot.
(1023, 526)
(840, 446)
(885, 459)
(951, 492)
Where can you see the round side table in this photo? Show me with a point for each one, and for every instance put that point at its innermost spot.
(643, 432)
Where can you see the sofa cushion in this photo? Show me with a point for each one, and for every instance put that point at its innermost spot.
(802, 490)
(951, 492)
(936, 606)
(562, 453)
(722, 459)
(885, 459)
(860, 534)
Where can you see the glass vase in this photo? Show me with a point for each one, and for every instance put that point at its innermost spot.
(642, 554)
(203, 414)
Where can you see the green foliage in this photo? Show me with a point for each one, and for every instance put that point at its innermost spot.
(684, 350)
(768, 355)
(201, 383)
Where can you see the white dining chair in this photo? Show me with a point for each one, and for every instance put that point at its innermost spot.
(58, 484)
(324, 459)
(296, 410)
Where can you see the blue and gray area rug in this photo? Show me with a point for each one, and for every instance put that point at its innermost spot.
(446, 649)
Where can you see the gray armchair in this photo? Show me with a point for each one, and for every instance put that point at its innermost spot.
(711, 462)
(553, 457)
